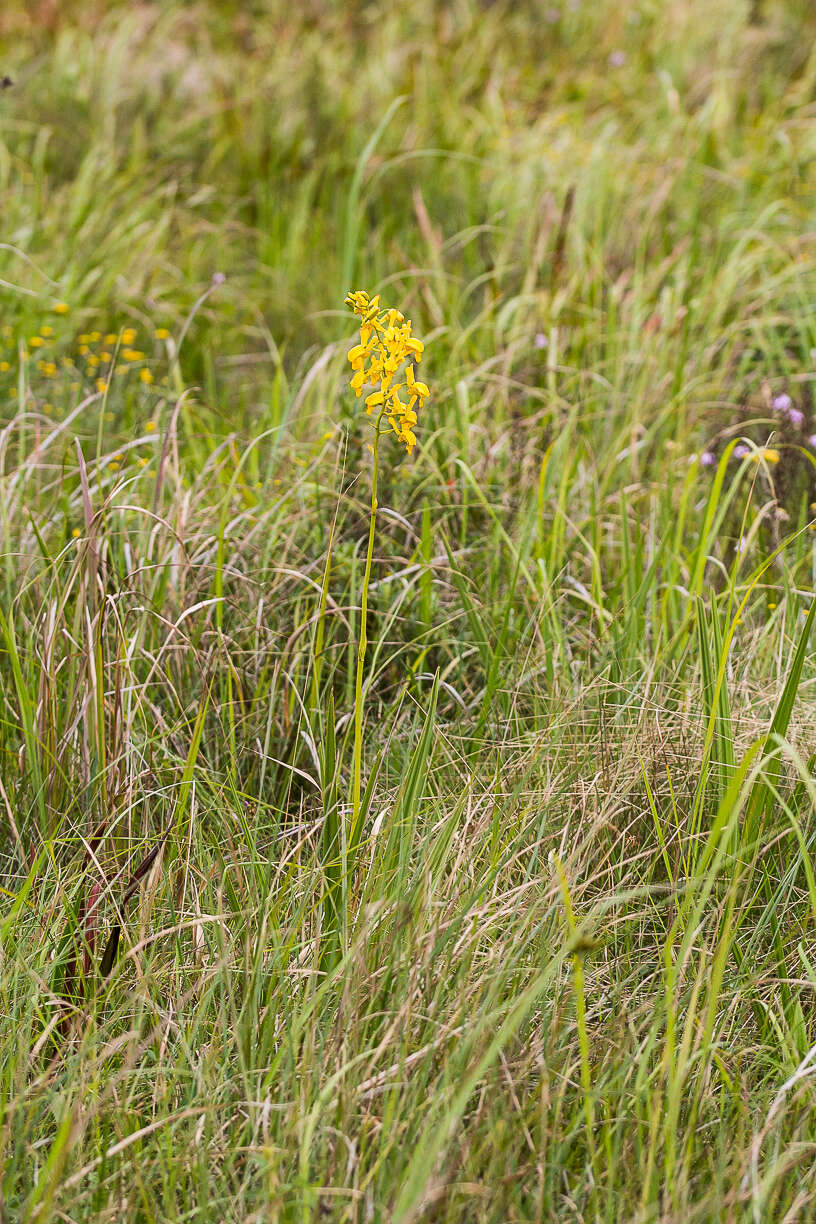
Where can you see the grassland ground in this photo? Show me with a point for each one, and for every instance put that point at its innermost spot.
(567, 971)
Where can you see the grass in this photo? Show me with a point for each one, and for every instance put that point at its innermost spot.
(569, 971)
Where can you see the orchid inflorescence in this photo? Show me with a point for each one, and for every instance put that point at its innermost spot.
(387, 345)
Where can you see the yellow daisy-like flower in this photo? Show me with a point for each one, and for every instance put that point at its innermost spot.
(60, 308)
(387, 350)
(765, 452)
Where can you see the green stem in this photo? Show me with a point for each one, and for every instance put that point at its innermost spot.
(354, 830)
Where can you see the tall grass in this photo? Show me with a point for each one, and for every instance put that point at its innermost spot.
(576, 978)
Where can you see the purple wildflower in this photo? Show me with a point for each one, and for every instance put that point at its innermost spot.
(708, 459)
(617, 59)
(782, 403)
(541, 341)
(742, 451)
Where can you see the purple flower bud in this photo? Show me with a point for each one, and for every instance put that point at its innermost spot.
(218, 278)
(782, 403)
(812, 441)
(796, 418)
(708, 459)
(742, 451)
(541, 341)
(617, 59)
(741, 545)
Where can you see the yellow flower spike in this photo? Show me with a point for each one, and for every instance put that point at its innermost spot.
(385, 348)
(128, 335)
(162, 333)
(61, 308)
(36, 341)
(146, 377)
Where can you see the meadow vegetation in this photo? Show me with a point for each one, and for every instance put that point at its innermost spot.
(554, 959)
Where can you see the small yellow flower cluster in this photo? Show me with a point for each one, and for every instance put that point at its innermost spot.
(93, 354)
(386, 344)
